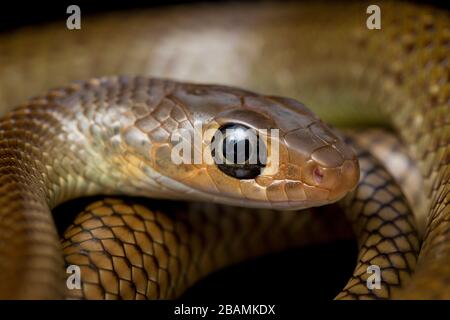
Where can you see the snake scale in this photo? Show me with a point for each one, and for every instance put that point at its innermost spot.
(109, 135)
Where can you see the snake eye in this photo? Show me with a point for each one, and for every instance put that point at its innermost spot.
(238, 151)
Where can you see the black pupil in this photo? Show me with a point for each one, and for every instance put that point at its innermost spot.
(240, 151)
(236, 151)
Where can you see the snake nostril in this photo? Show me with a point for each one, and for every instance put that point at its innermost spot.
(318, 175)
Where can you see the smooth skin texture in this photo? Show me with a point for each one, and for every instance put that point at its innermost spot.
(320, 54)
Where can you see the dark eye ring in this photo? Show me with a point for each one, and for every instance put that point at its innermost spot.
(238, 151)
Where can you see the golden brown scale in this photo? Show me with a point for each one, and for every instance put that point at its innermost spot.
(416, 85)
(324, 57)
(392, 153)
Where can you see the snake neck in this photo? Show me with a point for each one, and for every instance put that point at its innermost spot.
(46, 159)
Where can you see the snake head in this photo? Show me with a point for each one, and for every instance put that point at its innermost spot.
(296, 161)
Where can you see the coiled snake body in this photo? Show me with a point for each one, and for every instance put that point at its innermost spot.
(111, 135)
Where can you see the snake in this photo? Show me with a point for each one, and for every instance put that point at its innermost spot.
(118, 88)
